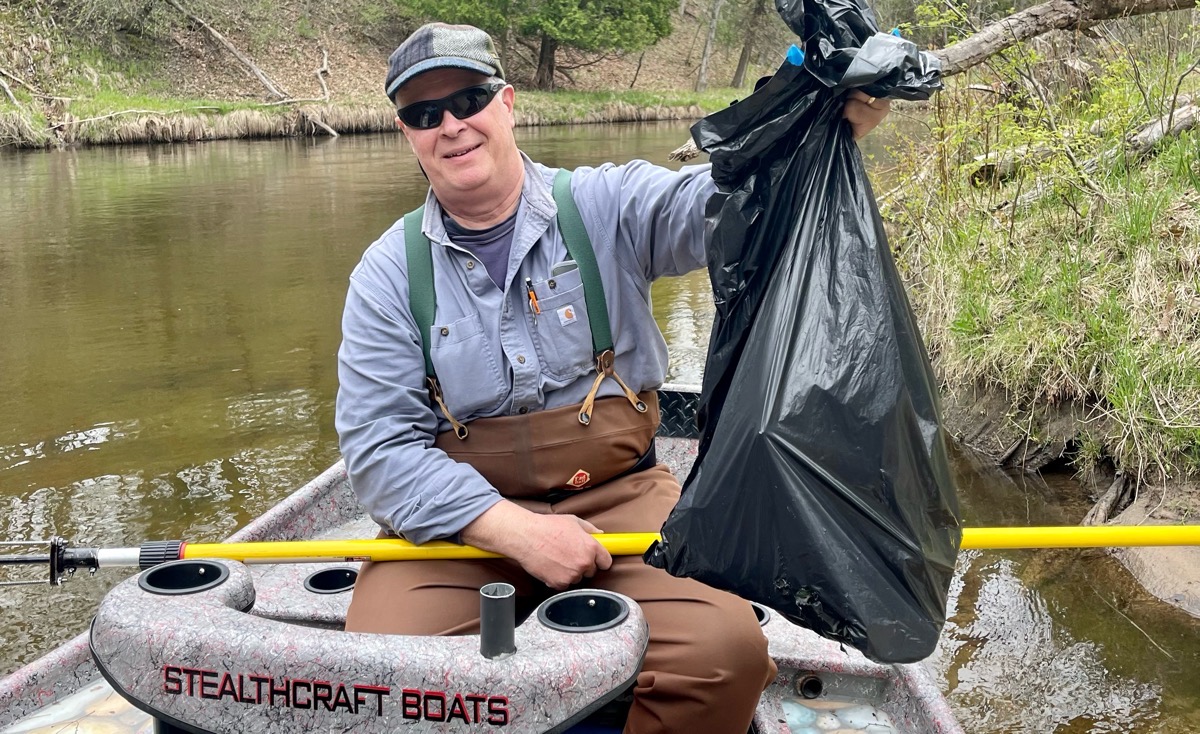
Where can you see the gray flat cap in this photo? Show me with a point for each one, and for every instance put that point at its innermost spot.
(440, 46)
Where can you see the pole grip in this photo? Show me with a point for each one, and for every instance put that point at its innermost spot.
(154, 552)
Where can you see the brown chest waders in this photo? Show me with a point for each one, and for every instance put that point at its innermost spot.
(707, 660)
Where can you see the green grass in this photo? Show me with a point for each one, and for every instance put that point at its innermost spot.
(569, 106)
(1090, 294)
(107, 101)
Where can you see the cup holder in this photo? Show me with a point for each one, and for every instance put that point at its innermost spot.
(331, 580)
(583, 610)
(183, 577)
(761, 613)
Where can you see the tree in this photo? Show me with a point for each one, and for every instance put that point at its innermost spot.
(752, 25)
(713, 21)
(585, 25)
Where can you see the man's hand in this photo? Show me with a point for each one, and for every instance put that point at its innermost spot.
(559, 550)
(864, 112)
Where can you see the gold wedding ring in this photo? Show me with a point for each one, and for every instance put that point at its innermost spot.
(871, 102)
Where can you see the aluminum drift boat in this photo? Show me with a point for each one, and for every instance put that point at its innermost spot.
(218, 646)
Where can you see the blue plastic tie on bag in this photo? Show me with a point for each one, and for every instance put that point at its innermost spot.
(896, 32)
(795, 55)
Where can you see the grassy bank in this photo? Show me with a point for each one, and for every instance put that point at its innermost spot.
(1052, 259)
(112, 118)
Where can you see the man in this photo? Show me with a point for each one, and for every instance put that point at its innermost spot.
(498, 419)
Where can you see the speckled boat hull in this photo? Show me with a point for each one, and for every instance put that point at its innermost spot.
(293, 632)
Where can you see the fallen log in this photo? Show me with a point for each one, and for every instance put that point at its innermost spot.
(1032, 22)
(1136, 148)
(1114, 500)
(685, 152)
(999, 166)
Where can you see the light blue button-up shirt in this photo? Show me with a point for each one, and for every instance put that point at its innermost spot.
(491, 354)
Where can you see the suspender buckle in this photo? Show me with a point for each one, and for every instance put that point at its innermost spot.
(435, 392)
(604, 362)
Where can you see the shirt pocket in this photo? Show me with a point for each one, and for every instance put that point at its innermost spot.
(563, 331)
(466, 367)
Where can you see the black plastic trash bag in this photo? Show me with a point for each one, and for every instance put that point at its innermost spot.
(822, 488)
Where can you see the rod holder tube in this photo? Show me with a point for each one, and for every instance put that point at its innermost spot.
(497, 620)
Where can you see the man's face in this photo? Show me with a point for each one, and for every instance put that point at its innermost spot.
(461, 156)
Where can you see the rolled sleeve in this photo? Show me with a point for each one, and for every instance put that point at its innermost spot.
(386, 425)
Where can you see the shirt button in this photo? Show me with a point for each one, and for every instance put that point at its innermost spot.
(521, 358)
(470, 265)
(523, 410)
(445, 331)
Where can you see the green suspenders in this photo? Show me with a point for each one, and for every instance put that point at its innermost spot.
(423, 301)
(579, 247)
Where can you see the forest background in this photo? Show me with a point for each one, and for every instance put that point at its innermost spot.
(1048, 223)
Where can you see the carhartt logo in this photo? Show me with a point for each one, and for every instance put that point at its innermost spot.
(580, 479)
(566, 315)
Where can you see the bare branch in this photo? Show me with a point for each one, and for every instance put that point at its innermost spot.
(1175, 94)
(599, 59)
(128, 112)
(273, 88)
(290, 100)
(8, 93)
(18, 80)
(321, 71)
(318, 122)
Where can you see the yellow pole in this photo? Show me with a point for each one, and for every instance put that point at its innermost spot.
(1076, 536)
(626, 544)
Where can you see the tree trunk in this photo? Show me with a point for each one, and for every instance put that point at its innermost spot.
(639, 69)
(739, 75)
(545, 71)
(505, 57)
(702, 79)
(1034, 21)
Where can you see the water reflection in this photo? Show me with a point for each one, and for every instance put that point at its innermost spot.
(1058, 640)
(1006, 627)
(170, 320)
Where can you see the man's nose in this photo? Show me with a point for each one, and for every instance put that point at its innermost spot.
(450, 125)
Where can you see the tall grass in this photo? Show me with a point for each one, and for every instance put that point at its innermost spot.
(1089, 293)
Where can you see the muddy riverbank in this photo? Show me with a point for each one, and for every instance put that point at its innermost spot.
(1045, 438)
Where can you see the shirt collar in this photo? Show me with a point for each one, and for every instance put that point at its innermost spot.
(535, 194)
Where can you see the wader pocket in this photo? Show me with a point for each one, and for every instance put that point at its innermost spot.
(465, 362)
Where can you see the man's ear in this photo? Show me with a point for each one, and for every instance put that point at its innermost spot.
(508, 97)
(403, 131)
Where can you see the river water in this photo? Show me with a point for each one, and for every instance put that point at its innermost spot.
(168, 329)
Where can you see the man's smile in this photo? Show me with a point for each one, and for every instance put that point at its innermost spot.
(464, 151)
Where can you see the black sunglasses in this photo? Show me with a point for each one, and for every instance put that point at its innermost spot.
(462, 104)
